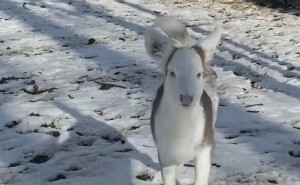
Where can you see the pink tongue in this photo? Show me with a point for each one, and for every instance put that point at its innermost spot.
(186, 100)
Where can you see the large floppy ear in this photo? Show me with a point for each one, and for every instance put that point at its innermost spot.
(207, 47)
(158, 45)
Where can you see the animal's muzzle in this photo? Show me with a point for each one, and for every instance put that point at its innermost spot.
(186, 100)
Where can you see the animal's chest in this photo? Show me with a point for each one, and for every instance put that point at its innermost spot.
(178, 133)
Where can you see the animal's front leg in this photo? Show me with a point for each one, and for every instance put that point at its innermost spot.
(203, 165)
(169, 175)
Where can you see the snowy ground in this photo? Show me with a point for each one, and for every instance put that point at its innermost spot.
(76, 91)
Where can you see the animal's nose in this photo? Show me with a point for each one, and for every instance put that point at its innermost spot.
(186, 100)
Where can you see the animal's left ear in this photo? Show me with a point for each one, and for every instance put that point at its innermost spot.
(207, 47)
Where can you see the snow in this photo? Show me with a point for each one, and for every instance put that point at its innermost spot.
(61, 125)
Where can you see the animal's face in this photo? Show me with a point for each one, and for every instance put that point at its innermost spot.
(184, 82)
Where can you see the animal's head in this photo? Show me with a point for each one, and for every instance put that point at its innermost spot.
(185, 62)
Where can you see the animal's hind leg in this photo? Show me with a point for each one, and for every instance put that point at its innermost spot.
(169, 175)
(203, 164)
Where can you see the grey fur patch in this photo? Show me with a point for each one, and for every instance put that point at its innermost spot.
(155, 106)
(169, 60)
(206, 102)
(208, 70)
(210, 78)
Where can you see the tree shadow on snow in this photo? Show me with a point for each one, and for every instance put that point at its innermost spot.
(104, 145)
(67, 38)
(276, 3)
(243, 132)
(265, 80)
(100, 152)
(283, 6)
(111, 145)
(231, 110)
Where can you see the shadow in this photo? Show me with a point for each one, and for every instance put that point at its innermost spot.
(270, 83)
(10, 74)
(101, 12)
(283, 6)
(265, 81)
(104, 146)
(103, 143)
(199, 30)
(243, 137)
(257, 80)
(137, 7)
(69, 39)
(92, 153)
(258, 54)
(104, 149)
(252, 125)
(277, 3)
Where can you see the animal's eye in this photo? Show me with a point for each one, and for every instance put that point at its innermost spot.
(198, 75)
(172, 74)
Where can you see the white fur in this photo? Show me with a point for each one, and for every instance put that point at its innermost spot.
(185, 64)
(179, 134)
(179, 131)
(203, 163)
(169, 175)
(210, 43)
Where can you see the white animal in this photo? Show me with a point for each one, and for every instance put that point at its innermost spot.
(185, 108)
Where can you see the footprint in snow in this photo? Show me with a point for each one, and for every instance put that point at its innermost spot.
(86, 142)
(39, 159)
(295, 154)
(13, 123)
(57, 178)
(250, 132)
(232, 136)
(290, 75)
(73, 168)
(296, 142)
(145, 176)
(14, 165)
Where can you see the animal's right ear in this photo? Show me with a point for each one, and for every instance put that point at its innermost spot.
(158, 45)
(209, 44)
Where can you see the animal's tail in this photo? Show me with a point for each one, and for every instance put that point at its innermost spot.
(174, 29)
